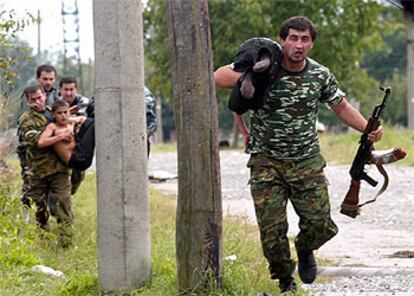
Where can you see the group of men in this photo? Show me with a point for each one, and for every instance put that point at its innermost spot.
(56, 146)
(285, 161)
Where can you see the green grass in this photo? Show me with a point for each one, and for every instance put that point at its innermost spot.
(341, 148)
(22, 248)
(164, 147)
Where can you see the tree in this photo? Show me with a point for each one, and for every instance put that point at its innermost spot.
(199, 216)
(347, 29)
(13, 52)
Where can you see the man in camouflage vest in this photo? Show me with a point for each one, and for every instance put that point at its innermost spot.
(48, 176)
(46, 77)
(285, 162)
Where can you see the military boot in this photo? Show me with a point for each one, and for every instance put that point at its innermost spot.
(287, 286)
(307, 266)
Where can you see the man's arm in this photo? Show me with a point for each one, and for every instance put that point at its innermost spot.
(242, 127)
(226, 77)
(49, 137)
(77, 119)
(349, 115)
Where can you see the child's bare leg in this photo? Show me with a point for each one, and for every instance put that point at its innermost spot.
(64, 150)
(246, 87)
(262, 64)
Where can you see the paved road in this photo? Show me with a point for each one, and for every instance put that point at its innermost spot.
(383, 229)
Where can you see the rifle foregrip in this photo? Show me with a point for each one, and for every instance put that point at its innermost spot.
(388, 156)
(350, 206)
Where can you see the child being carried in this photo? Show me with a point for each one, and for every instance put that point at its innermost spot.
(76, 148)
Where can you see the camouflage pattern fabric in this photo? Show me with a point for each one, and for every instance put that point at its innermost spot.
(40, 162)
(286, 124)
(150, 108)
(275, 181)
(57, 188)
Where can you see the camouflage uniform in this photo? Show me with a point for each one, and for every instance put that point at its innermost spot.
(286, 164)
(51, 97)
(48, 176)
(150, 108)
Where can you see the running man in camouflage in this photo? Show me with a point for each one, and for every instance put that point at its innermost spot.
(48, 176)
(285, 162)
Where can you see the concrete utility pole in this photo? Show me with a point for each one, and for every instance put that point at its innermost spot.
(199, 209)
(123, 211)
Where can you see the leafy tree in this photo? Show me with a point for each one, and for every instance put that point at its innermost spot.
(13, 57)
(347, 31)
(396, 112)
(391, 57)
(22, 71)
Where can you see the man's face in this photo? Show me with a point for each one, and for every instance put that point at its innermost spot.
(61, 115)
(297, 45)
(37, 100)
(47, 79)
(68, 92)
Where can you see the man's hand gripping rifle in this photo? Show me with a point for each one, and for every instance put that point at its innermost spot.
(366, 155)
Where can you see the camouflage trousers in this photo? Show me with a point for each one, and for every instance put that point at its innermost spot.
(76, 179)
(56, 187)
(273, 182)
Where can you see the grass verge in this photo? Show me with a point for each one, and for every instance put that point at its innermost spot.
(22, 248)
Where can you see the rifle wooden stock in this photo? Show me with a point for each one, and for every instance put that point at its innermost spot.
(350, 206)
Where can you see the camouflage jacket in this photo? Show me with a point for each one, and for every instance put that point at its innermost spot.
(42, 162)
(150, 108)
(285, 126)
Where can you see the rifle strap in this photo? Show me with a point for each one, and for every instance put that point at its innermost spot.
(383, 188)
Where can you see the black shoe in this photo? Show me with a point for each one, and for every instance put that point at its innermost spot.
(288, 286)
(307, 266)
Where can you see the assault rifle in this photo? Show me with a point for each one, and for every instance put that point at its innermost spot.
(366, 155)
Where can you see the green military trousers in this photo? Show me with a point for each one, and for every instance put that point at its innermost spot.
(56, 187)
(273, 182)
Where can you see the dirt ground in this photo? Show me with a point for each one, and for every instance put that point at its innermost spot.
(382, 236)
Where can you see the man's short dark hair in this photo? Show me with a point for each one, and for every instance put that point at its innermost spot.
(60, 103)
(45, 68)
(298, 23)
(67, 80)
(31, 89)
